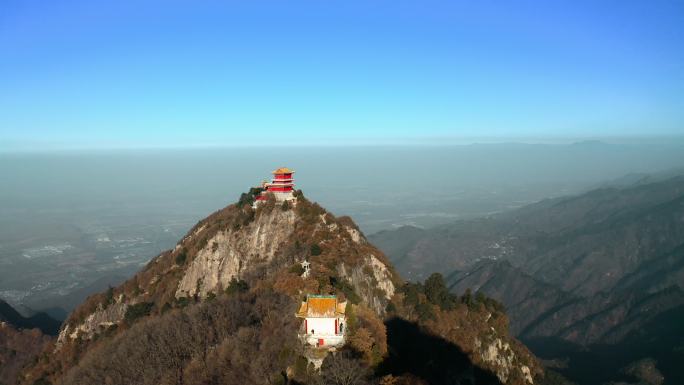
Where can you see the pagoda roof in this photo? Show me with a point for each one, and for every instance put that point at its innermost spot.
(321, 306)
(283, 170)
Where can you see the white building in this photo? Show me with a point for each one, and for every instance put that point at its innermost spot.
(324, 321)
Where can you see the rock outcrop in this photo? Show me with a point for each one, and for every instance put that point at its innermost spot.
(372, 280)
(232, 251)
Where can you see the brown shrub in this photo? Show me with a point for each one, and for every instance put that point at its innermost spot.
(239, 339)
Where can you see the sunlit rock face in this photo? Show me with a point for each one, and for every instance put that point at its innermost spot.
(230, 252)
(372, 280)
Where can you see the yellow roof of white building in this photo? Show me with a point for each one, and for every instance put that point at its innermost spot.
(321, 306)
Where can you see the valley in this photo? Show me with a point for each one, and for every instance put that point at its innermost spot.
(580, 275)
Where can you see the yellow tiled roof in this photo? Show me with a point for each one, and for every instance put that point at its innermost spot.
(283, 170)
(321, 307)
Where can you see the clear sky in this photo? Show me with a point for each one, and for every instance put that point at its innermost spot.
(140, 73)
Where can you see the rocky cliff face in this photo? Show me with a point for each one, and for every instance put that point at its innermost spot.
(372, 280)
(230, 252)
(503, 359)
(103, 317)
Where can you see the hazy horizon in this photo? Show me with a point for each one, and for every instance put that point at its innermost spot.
(665, 140)
(573, 164)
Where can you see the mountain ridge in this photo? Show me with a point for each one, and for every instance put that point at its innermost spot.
(39, 320)
(590, 269)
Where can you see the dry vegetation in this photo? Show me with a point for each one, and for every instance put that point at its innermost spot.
(461, 320)
(18, 348)
(234, 339)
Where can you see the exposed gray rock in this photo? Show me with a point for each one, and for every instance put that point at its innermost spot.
(229, 253)
(376, 288)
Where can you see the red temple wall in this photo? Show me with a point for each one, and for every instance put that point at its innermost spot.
(280, 189)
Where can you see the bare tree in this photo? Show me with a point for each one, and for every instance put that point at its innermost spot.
(243, 339)
(343, 369)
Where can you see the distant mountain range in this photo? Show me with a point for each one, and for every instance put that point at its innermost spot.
(599, 269)
(42, 321)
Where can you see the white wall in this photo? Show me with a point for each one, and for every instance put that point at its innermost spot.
(321, 325)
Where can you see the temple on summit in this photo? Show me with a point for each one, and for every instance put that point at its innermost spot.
(324, 321)
(281, 186)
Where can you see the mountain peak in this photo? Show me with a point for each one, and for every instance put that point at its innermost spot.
(250, 267)
(262, 246)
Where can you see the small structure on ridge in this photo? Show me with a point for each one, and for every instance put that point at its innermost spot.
(306, 267)
(324, 321)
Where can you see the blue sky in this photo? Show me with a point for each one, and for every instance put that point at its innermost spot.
(101, 74)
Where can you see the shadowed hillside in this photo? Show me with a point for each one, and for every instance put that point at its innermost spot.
(592, 270)
(41, 321)
(436, 360)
